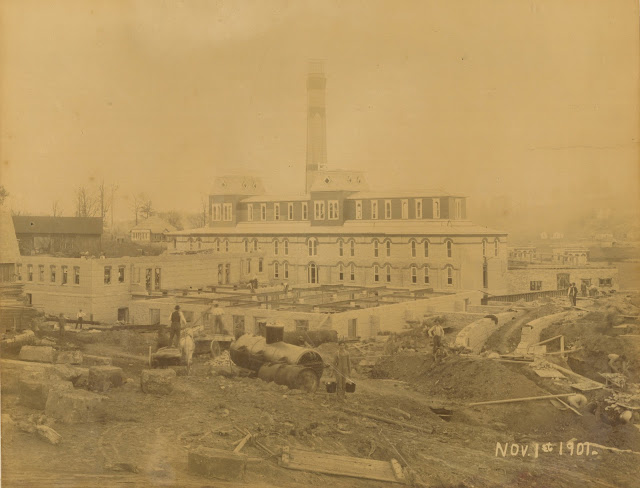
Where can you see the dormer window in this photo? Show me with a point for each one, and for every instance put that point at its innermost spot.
(327, 180)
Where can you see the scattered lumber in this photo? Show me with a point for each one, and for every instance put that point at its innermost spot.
(318, 462)
(241, 444)
(525, 399)
(387, 420)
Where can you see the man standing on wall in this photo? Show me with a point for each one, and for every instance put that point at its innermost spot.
(177, 321)
(81, 315)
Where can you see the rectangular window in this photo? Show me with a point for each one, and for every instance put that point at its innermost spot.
(374, 209)
(414, 274)
(227, 210)
(260, 264)
(250, 212)
(248, 266)
(52, 273)
(388, 247)
(305, 211)
(276, 211)
(436, 208)
(76, 275)
(388, 274)
(135, 275)
(418, 209)
(290, 211)
(276, 270)
(340, 272)
(352, 248)
(318, 210)
(19, 272)
(387, 209)
(65, 275)
(353, 272)
(458, 208)
(285, 247)
(333, 209)
(120, 274)
(405, 209)
(107, 275)
(605, 282)
(216, 212)
(41, 271)
(158, 278)
(263, 211)
(426, 275)
(376, 273)
(359, 209)
(535, 285)
(285, 268)
(30, 272)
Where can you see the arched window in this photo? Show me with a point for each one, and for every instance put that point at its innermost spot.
(496, 247)
(285, 270)
(426, 275)
(352, 248)
(388, 246)
(340, 272)
(276, 270)
(449, 275)
(449, 248)
(312, 273)
(226, 245)
(340, 248)
(285, 247)
(376, 273)
(352, 272)
(175, 243)
(255, 244)
(413, 249)
(388, 270)
(218, 245)
(313, 246)
(484, 248)
(376, 248)
(426, 249)
(199, 241)
(190, 244)
(414, 275)
(246, 245)
(276, 247)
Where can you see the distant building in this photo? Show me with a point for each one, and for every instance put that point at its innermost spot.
(151, 230)
(45, 235)
(527, 254)
(544, 235)
(570, 255)
(557, 235)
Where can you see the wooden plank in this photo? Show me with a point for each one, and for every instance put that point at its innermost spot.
(548, 373)
(525, 399)
(587, 386)
(301, 460)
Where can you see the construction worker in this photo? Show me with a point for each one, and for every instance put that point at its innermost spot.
(437, 332)
(177, 321)
(342, 369)
(62, 323)
(573, 294)
(81, 315)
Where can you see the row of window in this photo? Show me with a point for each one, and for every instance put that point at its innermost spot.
(281, 271)
(222, 211)
(333, 210)
(52, 275)
(139, 236)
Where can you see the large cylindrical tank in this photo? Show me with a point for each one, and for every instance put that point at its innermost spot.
(251, 352)
(295, 377)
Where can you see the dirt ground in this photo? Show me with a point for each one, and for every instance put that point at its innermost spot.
(143, 439)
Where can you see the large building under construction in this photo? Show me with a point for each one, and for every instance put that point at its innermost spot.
(338, 231)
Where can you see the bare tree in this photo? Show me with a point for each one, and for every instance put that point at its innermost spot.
(86, 204)
(114, 188)
(147, 208)
(56, 210)
(104, 202)
(3, 194)
(136, 205)
(173, 218)
(204, 206)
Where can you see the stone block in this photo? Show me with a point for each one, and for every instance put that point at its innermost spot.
(35, 391)
(90, 360)
(102, 378)
(74, 406)
(69, 357)
(158, 381)
(215, 463)
(67, 372)
(41, 354)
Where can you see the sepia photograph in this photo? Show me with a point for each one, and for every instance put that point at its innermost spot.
(293, 243)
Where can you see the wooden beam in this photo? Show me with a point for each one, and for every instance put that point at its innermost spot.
(387, 420)
(525, 399)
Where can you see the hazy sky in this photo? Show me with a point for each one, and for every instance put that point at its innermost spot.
(531, 99)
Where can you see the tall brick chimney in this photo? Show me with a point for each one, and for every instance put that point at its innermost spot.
(316, 121)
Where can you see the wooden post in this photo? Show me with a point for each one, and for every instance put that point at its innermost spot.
(562, 347)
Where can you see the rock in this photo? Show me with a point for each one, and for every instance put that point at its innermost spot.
(90, 360)
(67, 372)
(158, 381)
(75, 406)
(48, 434)
(215, 463)
(402, 413)
(41, 354)
(35, 391)
(101, 378)
(180, 370)
(69, 357)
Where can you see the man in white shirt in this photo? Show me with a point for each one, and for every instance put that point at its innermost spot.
(81, 315)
